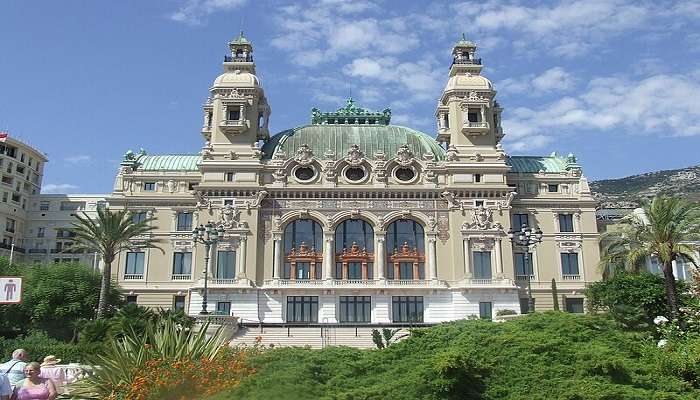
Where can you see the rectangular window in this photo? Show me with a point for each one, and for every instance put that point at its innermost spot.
(182, 263)
(473, 117)
(41, 232)
(524, 305)
(479, 203)
(7, 180)
(523, 268)
(574, 305)
(566, 223)
(229, 177)
(20, 170)
(184, 221)
(234, 115)
(179, 303)
(149, 186)
(10, 225)
(131, 299)
(355, 309)
(225, 264)
(569, 264)
(223, 308)
(520, 220)
(477, 178)
(71, 206)
(302, 309)
(134, 263)
(553, 188)
(407, 309)
(5, 196)
(16, 197)
(485, 310)
(482, 264)
(44, 206)
(138, 217)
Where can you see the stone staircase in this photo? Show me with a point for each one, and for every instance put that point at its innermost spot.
(315, 336)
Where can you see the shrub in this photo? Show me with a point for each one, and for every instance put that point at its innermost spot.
(505, 312)
(38, 344)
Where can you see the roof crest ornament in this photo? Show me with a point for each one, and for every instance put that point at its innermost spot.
(404, 155)
(304, 154)
(355, 155)
(351, 114)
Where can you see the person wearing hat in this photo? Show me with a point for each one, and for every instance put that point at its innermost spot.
(51, 370)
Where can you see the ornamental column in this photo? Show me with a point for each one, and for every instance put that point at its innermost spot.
(499, 263)
(380, 256)
(432, 262)
(242, 257)
(328, 254)
(467, 265)
(277, 254)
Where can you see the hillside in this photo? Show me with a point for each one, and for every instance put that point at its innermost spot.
(632, 190)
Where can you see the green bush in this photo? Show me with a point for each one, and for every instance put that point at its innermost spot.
(539, 356)
(39, 344)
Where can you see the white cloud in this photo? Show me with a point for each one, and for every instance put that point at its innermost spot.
(662, 105)
(551, 80)
(192, 12)
(78, 159)
(58, 188)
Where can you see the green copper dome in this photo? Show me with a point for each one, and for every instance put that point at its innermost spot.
(339, 138)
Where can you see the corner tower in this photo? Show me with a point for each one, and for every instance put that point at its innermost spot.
(468, 117)
(236, 113)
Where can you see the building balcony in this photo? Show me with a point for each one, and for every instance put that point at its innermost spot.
(475, 128)
(206, 129)
(233, 126)
(524, 277)
(181, 277)
(571, 277)
(462, 61)
(489, 283)
(38, 251)
(248, 58)
(132, 277)
(354, 283)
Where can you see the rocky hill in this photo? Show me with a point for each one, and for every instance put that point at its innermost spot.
(631, 191)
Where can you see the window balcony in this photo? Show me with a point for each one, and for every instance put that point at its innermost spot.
(354, 282)
(474, 61)
(475, 128)
(223, 281)
(132, 277)
(489, 283)
(524, 277)
(571, 277)
(233, 126)
(38, 251)
(181, 277)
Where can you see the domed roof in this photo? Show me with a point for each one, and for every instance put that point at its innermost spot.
(339, 139)
(468, 81)
(237, 79)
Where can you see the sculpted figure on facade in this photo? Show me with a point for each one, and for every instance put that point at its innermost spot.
(259, 197)
(482, 218)
(202, 200)
(355, 155)
(304, 155)
(404, 155)
(229, 216)
(451, 153)
(171, 186)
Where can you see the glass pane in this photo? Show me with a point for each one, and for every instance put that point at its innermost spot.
(354, 231)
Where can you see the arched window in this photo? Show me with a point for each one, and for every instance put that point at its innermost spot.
(354, 250)
(405, 250)
(303, 246)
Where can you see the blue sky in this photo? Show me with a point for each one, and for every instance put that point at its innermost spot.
(615, 82)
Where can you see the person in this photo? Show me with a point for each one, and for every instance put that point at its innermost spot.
(33, 387)
(14, 369)
(5, 388)
(50, 370)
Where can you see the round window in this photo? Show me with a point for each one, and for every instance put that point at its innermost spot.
(354, 173)
(304, 173)
(404, 174)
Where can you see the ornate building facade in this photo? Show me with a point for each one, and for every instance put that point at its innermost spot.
(351, 219)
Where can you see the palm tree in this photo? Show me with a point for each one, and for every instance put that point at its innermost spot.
(110, 233)
(667, 228)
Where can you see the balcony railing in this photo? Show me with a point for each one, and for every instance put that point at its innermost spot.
(38, 251)
(302, 282)
(571, 277)
(475, 61)
(181, 277)
(130, 277)
(524, 277)
(470, 124)
(223, 281)
(407, 282)
(354, 282)
(489, 282)
(232, 122)
(249, 58)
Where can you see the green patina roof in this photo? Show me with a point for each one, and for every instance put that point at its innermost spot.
(534, 164)
(463, 42)
(339, 138)
(161, 162)
(241, 39)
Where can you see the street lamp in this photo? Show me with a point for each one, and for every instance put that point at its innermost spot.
(208, 235)
(528, 238)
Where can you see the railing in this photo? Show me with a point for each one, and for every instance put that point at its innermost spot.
(217, 319)
(9, 247)
(222, 281)
(232, 122)
(304, 282)
(571, 277)
(129, 277)
(474, 61)
(407, 282)
(524, 277)
(354, 282)
(238, 59)
(490, 282)
(38, 251)
(181, 277)
(476, 124)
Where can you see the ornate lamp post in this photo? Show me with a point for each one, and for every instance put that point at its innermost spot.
(208, 235)
(528, 238)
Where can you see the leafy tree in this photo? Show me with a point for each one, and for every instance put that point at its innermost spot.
(666, 229)
(55, 297)
(111, 233)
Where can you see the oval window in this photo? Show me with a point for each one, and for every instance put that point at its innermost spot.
(354, 174)
(304, 173)
(405, 174)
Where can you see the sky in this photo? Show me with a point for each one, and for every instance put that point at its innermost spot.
(617, 83)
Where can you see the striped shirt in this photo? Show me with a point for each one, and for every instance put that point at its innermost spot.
(14, 369)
